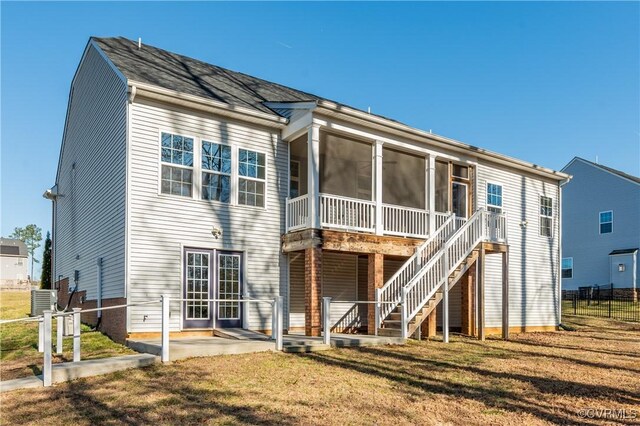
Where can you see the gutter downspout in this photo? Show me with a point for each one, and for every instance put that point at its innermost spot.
(559, 279)
(99, 288)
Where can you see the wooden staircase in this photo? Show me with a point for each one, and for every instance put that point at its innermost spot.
(391, 326)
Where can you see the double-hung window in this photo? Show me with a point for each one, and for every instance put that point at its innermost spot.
(494, 198)
(606, 222)
(177, 165)
(567, 267)
(251, 178)
(546, 216)
(216, 172)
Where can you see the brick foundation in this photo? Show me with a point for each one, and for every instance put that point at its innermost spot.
(312, 291)
(114, 321)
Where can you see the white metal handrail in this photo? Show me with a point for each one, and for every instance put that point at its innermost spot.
(45, 328)
(391, 292)
(326, 313)
(482, 226)
(297, 212)
(347, 213)
(405, 221)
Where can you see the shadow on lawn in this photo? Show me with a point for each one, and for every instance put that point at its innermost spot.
(419, 375)
(162, 395)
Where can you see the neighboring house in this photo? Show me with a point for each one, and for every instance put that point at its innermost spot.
(13, 265)
(600, 226)
(182, 178)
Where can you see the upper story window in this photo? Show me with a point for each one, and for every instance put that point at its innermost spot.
(546, 216)
(216, 172)
(494, 198)
(252, 177)
(567, 267)
(606, 222)
(177, 165)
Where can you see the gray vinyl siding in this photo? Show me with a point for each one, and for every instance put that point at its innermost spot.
(162, 225)
(296, 289)
(90, 212)
(591, 191)
(339, 281)
(533, 259)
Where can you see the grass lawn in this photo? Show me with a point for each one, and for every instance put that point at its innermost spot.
(19, 356)
(536, 378)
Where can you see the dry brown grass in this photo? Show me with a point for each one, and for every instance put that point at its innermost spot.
(537, 378)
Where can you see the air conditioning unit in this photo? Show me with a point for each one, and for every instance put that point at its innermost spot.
(42, 300)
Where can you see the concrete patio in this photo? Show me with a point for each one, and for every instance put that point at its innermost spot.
(188, 347)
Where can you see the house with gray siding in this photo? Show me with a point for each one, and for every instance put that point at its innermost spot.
(13, 265)
(181, 178)
(600, 226)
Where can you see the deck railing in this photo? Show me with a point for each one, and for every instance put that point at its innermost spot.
(405, 221)
(347, 213)
(297, 212)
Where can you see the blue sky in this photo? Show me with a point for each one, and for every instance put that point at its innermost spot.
(542, 82)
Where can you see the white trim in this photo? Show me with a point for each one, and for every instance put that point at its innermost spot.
(486, 195)
(601, 223)
(540, 216)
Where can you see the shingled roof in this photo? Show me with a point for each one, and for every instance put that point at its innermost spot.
(169, 70)
(11, 247)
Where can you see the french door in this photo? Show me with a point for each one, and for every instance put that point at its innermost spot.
(212, 274)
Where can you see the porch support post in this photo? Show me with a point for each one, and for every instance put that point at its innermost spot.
(313, 176)
(431, 192)
(428, 326)
(480, 295)
(377, 157)
(375, 280)
(505, 295)
(312, 290)
(468, 303)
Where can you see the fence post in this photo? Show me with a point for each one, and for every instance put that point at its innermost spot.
(46, 366)
(445, 298)
(59, 330)
(403, 314)
(280, 323)
(377, 310)
(165, 328)
(274, 318)
(76, 334)
(326, 315)
(575, 304)
(41, 335)
(610, 298)
(245, 309)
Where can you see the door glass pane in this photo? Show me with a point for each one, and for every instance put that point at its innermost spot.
(459, 199)
(229, 286)
(197, 285)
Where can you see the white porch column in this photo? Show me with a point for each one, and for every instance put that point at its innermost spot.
(431, 192)
(313, 175)
(377, 170)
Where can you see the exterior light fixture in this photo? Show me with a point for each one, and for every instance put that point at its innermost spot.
(216, 232)
(621, 267)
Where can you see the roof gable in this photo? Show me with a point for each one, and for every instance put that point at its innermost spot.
(610, 170)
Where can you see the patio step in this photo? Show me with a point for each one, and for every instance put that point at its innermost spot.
(304, 346)
(239, 334)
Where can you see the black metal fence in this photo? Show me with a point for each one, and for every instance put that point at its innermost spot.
(602, 301)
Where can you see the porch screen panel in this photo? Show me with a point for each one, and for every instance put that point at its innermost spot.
(403, 179)
(345, 167)
(299, 155)
(442, 187)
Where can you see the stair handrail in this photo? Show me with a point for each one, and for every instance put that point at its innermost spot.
(441, 264)
(391, 291)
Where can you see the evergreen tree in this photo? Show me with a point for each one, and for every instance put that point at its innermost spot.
(45, 278)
